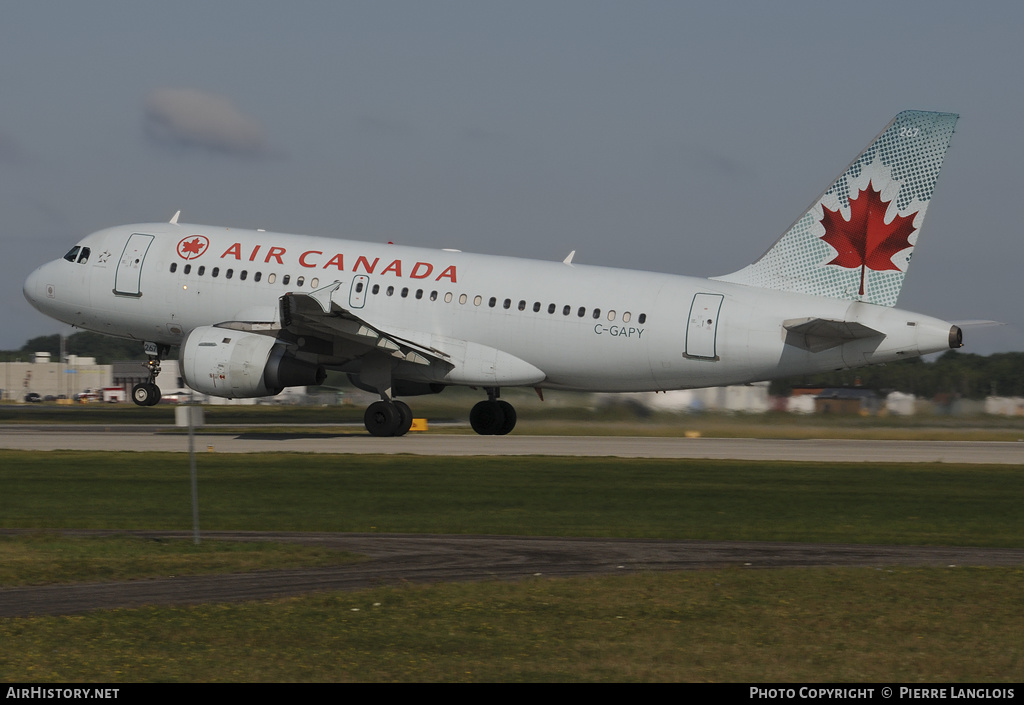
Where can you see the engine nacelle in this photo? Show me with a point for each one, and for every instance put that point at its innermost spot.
(236, 364)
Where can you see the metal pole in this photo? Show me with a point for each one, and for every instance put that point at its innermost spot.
(190, 407)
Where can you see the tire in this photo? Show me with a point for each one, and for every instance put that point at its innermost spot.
(487, 418)
(146, 394)
(382, 419)
(404, 417)
(510, 418)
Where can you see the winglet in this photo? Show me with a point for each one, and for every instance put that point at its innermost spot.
(323, 295)
(568, 259)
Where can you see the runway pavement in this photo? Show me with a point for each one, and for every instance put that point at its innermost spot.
(170, 439)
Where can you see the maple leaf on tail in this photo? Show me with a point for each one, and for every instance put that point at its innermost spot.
(866, 240)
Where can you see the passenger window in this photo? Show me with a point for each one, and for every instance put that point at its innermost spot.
(551, 308)
(419, 293)
(626, 317)
(376, 289)
(271, 278)
(391, 291)
(256, 277)
(202, 271)
(448, 297)
(405, 292)
(611, 315)
(597, 313)
(286, 278)
(433, 296)
(567, 310)
(643, 318)
(507, 303)
(244, 274)
(216, 271)
(299, 281)
(522, 305)
(188, 269)
(359, 287)
(582, 312)
(227, 274)
(463, 298)
(314, 282)
(536, 306)
(174, 266)
(477, 300)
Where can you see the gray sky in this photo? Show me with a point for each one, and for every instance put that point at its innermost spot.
(671, 136)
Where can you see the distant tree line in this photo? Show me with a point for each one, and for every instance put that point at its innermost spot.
(84, 344)
(957, 374)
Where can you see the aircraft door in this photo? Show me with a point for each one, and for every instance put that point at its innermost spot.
(702, 327)
(357, 294)
(128, 279)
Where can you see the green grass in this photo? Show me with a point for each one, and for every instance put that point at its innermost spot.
(792, 625)
(820, 624)
(49, 557)
(915, 503)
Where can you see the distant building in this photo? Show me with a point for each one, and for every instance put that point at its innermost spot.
(53, 380)
(847, 400)
(741, 398)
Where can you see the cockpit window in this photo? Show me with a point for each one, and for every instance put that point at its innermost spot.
(84, 256)
(72, 256)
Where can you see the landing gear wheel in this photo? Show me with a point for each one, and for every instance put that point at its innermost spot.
(405, 417)
(383, 419)
(510, 418)
(146, 394)
(488, 418)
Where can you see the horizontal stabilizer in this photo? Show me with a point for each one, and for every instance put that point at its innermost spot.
(817, 334)
(977, 324)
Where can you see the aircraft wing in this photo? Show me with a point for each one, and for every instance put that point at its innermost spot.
(435, 357)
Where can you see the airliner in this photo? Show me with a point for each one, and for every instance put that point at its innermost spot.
(254, 312)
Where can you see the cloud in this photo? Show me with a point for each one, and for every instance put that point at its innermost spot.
(184, 117)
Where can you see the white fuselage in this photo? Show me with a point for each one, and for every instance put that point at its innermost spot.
(585, 327)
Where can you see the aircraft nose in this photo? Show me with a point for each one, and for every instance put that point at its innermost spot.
(35, 288)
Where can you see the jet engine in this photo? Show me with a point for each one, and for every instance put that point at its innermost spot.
(235, 364)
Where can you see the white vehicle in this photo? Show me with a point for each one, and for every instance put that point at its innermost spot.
(113, 395)
(255, 312)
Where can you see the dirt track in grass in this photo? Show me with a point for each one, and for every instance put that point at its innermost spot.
(426, 558)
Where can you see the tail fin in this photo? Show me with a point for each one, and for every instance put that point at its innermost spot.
(856, 239)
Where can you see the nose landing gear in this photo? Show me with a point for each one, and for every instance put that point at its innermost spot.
(147, 393)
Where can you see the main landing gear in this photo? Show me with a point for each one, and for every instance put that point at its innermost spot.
(388, 418)
(493, 417)
(147, 393)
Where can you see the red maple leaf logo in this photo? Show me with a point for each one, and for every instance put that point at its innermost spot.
(192, 248)
(866, 240)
